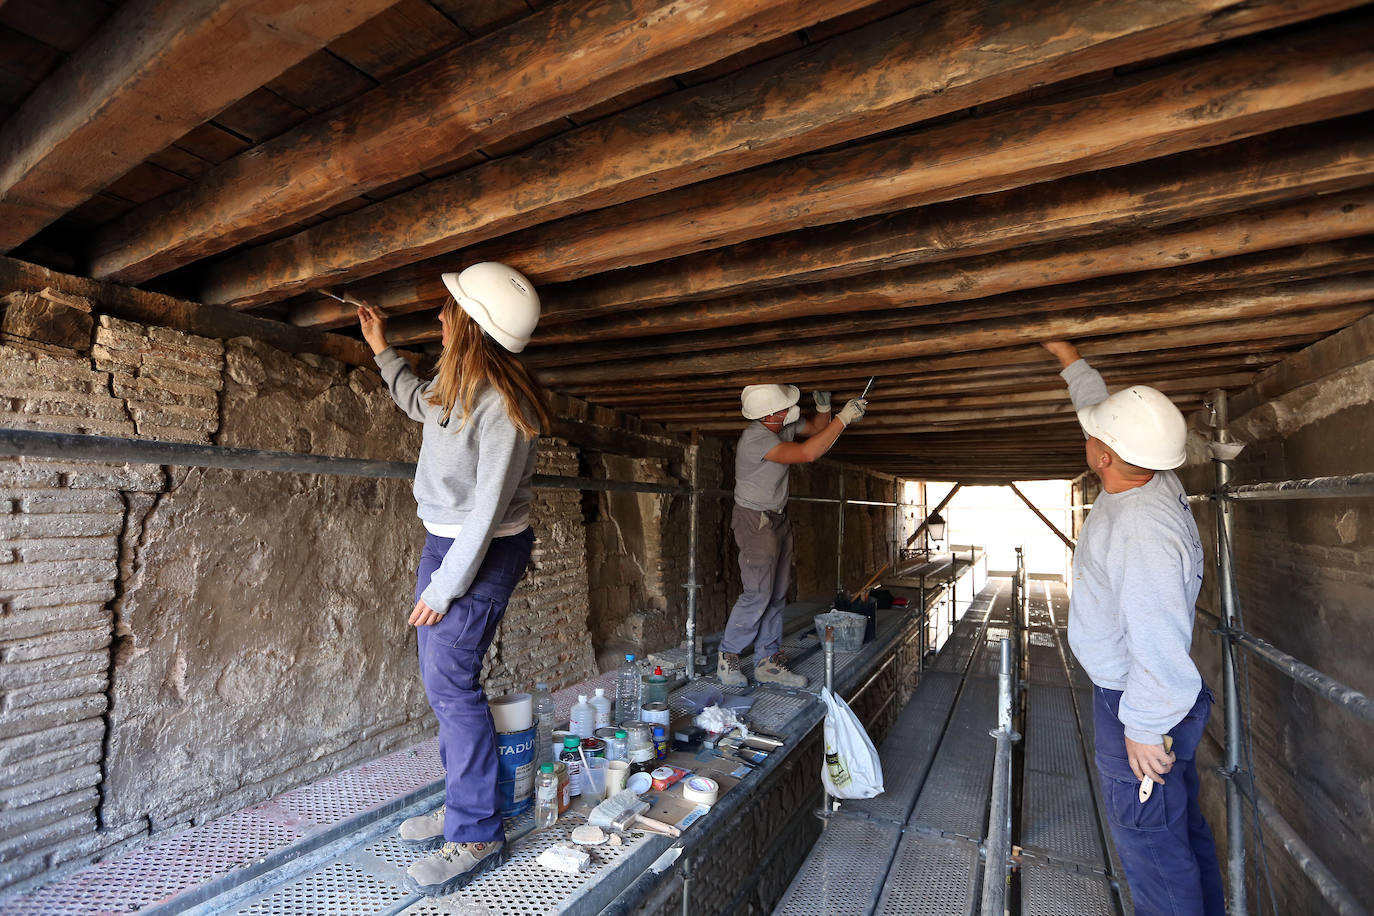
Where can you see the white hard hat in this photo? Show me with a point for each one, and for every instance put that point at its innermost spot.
(499, 299)
(1141, 425)
(761, 400)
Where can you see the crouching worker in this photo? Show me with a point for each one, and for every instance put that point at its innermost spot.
(766, 448)
(1136, 575)
(481, 415)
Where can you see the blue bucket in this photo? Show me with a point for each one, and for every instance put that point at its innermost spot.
(515, 770)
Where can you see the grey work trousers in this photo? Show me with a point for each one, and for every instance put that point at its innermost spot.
(765, 567)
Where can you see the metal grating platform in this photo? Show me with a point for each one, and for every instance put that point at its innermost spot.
(1048, 891)
(845, 871)
(1058, 817)
(955, 796)
(932, 876)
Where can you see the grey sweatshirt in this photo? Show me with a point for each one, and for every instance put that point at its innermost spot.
(477, 476)
(761, 484)
(1136, 575)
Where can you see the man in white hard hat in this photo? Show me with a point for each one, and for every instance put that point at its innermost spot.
(766, 448)
(1137, 570)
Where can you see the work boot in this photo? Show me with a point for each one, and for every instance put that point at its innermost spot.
(728, 670)
(455, 865)
(425, 831)
(773, 670)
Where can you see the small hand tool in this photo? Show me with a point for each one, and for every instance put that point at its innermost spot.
(866, 387)
(1147, 785)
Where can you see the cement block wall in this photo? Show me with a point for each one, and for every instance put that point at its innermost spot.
(1305, 571)
(177, 643)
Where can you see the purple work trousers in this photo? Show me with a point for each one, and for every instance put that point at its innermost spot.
(451, 653)
(1165, 845)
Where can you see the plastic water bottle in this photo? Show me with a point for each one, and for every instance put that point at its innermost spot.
(627, 692)
(546, 796)
(602, 707)
(583, 720)
(545, 712)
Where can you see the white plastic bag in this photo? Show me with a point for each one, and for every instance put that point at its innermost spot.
(851, 768)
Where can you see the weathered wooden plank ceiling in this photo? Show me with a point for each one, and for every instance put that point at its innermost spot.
(716, 192)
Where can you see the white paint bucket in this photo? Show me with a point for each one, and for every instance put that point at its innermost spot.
(513, 712)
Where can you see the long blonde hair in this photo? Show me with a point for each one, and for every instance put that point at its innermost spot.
(472, 361)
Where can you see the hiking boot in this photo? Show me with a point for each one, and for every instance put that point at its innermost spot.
(425, 831)
(728, 670)
(773, 670)
(455, 865)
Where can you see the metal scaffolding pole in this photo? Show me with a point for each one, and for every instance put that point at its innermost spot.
(1347, 487)
(997, 850)
(1331, 889)
(692, 586)
(1235, 823)
(77, 447)
(1306, 675)
(839, 539)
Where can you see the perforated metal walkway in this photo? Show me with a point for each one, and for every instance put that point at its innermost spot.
(916, 849)
(330, 847)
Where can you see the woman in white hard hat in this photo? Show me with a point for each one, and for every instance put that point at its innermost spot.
(766, 448)
(482, 414)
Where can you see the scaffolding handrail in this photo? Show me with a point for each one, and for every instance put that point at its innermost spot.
(997, 846)
(1333, 487)
(1323, 685)
(1326, 883)
(1305, 488)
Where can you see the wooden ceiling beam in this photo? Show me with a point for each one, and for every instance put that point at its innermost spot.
(155, 70)
(1249, 173)
(846, 381)
(1040, 279)
(971, 335)
(965, 384)
(679, 415)
(1302, 76)
(935, 59)
(561, 59)
(1151, 264)
(925, 420)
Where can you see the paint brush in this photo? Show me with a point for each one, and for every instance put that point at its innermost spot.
(349, 300)
(625, 811)
(1147, 785)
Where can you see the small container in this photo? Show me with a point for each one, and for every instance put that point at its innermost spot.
(660, 742)
(558, 735)
(601, 708)
(656, 687)
(546, 797)
(560, 769)
(594, 747)
(639, 742)
(583, 718)
(656, 713)
(572, 759)
(615, 747)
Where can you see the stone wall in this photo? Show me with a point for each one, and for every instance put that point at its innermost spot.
(176, 642)
(1305, 571)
